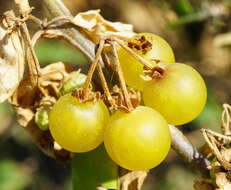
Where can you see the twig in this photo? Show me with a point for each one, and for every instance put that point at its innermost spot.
(92, 69)
(210, 139)
(105, 86)
(188, 152)
(56, 8)
(121, 79)
(136, 56)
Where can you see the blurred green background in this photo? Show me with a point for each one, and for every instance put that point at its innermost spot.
(200, 35)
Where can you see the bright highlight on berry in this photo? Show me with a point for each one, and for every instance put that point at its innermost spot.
(156, 48)
(180, 95)
(139, 140)
(78, 127)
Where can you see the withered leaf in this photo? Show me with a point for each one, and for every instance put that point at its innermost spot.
(203, 185)
(52, 77)
(95, 25)
(28, 97)
(11, 57)
(222, 182)
(29, 94)
(132, 179)
(24, 7)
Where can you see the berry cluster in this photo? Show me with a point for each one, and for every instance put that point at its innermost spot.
(135, 137)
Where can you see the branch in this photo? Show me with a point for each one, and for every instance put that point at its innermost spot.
(55, 8)
(180, 143)
(184, 148)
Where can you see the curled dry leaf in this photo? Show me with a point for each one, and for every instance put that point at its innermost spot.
(132, 180)
(29, 95)
(28, 98)
(218, 149)
(95, 26)
(52, 77)
(24, 7)
(203, 185)
(11, 57)
(222, 182)
(135, 98)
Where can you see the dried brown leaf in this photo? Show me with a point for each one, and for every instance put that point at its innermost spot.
(24, 115)
(222, 182)
(52, 77)
(35, 91)
(45, 142)
(24, 7)
(95, 25)
(135, 98)
(11, 57)
(29, 94)
(226, 187)
(203, 185)
(132, 180)
(226, 153)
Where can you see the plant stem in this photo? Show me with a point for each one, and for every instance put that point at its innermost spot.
(92, 69)
(104, 85)
(188, 152)
(121, 79)
(56, 8)
(58, 19)
(136, 56)
(35, 19)
(31, 49)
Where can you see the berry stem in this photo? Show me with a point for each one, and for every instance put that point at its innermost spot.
(92, 69)
(35, 20)
(105, 86)
(136, 56)
(121, 78)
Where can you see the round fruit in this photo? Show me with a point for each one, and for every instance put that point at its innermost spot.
(180, 95)
(132, 69)
(139, 140)
(42, 118)
(76, 126)
(74, 80)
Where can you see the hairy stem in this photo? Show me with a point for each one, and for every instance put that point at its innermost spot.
(136, 56)
(121, 79)
(105, 86)
(92, 69)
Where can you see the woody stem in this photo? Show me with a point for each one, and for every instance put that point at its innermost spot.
(136, 56)
(92, 69)
(121, 79)
(104, 85)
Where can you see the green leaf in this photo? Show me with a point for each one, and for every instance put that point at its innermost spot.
(188, 19)
(183, 7)
(49, 51)
(94, 168)
(12, 176)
